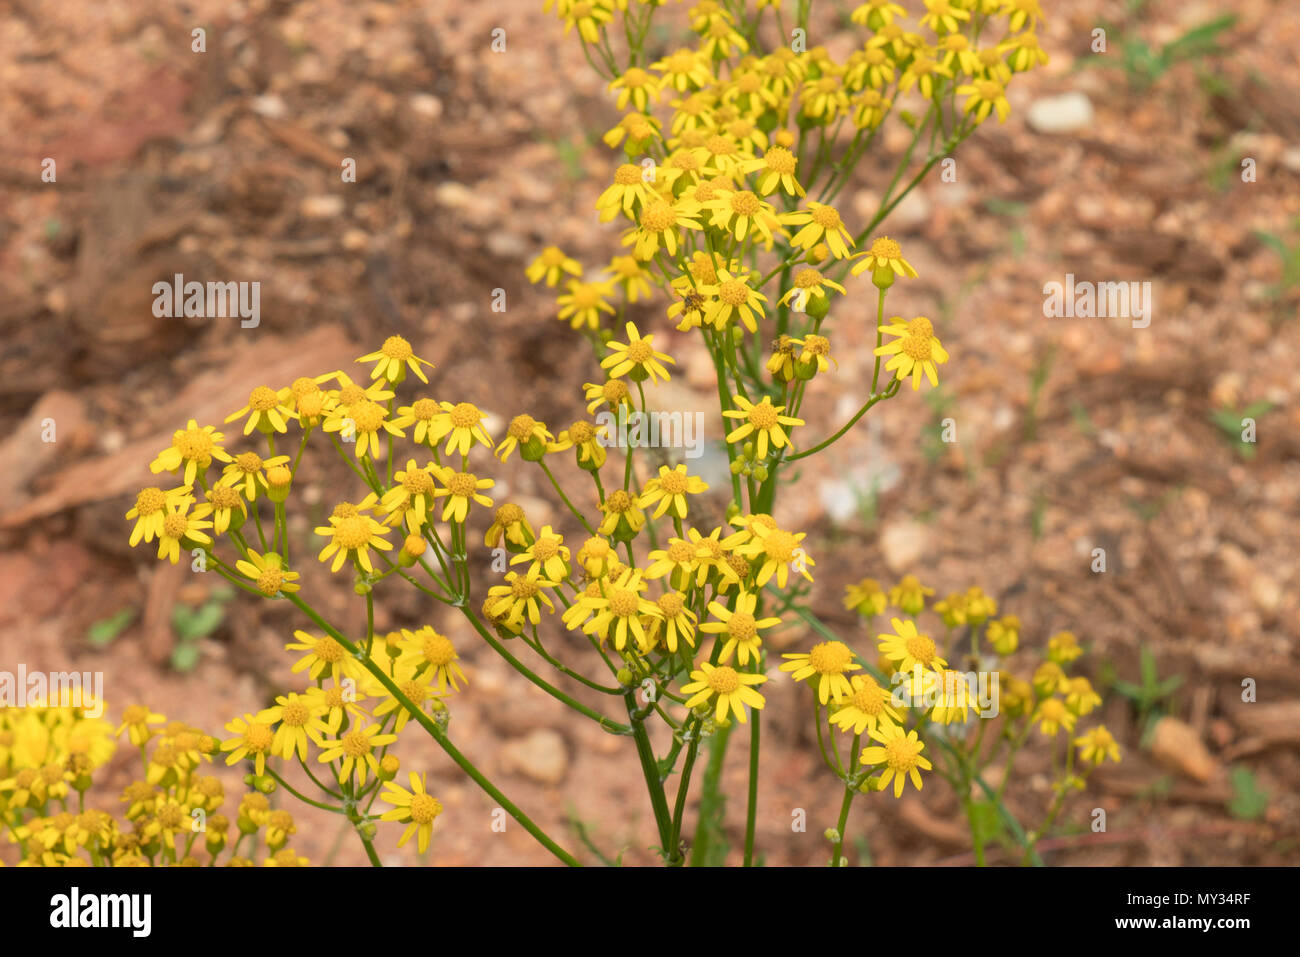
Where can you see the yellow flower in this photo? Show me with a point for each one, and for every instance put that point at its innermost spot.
(179, 524)
(632, 276)
(943, 17)
(299, 719)
(612, 393)
(549, 553)
(618, 612)
(669, 490)
(915, 350)
(324, 654)
(1004, 634)
(829, 661)
(1063, 647)
(416, 690)
(267, 410)
(433, 655)
(621, 514)
(732, 293)
(152, 506)
(223, 502)
(780, 551)
(356, 748)
(763, 419)
(193, 447)
(1052, 715)
(636, 358)
(808, 283)
(526, 434)
(885, 260)
(411, 498)
(900, 754)
(866, 598)
(776, 169)
(510, 522)
(734, 689)
(821, 223)
(393, 359)
(267, 573)
(138, 718)
(675, 620)
(636, 86)
(363, 422)
(740, 626)
(659, 223)
(550, 264)
(248, 471)
(585, 438)
(460, 489)
(416, 805)
(748, 211)
(866, 706)
(1097, 745)
(907, 648)
(521, 595)
(355, 535)
(983, 97)
(252, 739)
(1079, 696)
(584, 302)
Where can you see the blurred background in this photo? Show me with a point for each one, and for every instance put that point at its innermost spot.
(1173, 157)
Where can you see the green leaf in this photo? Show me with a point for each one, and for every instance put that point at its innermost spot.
(1248, 801)
(102, 632)
(985, 823)
(199, 623)
(185, 656)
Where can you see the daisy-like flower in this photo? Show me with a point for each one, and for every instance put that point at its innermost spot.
(356, 748)
(252, 739)
(632, 276)
(584, 302)
(733, 689)
(959, 55)
(953, 693)
(809, 284)
(1063, 647)
(865, 707)
(637, 358)
(943, 16)
(511, 523)
(364, 422)
(636, 86)
(612, 394)
(909, 595)
(900, 753)
(684, 68)
(776, 170)
(906, 648)
(742, 629)
(549, 553)
(740, 212)
(420, 414)
(411, 499)
(1004, 634)
(182, 525)
(678, 560)
(1097, 745)
(815, 354)
(193, 447)
(622, 515)
(393, 359)
(1020, 12)
(334, 703)
(629, 190)
(640, 129)
(433, 656)
(914, 350)
(324, 655)
(732, 293)
(1079, 696)
(660, 221)
(268, 410)
(1052, 715)
(550, 265)
(669, 491)
(526, 434)
(585, 439)
(877, 13)
(763, 420)
(521, 596)
(151, 509)
(619, 612)
(675, 620)
(353, 536)
(461, 425)
(268, 574)
(824, 98)
(830, 661)
(1050, 679)
(985, 96)
(821, 224)
(224, 503)
(413, 686)
(781, 362)
(247, 473)
(417, 806)
(137, 719)
(1025, 54)
(460, 489)
(885, 260)
(869, 109)
(778, 552)
(299, 720)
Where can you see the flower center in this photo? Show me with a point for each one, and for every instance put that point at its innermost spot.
(830, 657)
(424, 808)
(248, 462)
(734, 292)
(175, 525)
(639, 351)
(921, 648)
(150, 500)
(763, 415)
(545, 548)
(780, 160)
(745, 203)
(395, 347)
(658, 218)
(356, 744)
(262, 398)
(417, 481)
(807, 279)
(724, 680)
(671, 604)
(901, 754)
(618, 501)
(868, 698)
(223, 496)
(521, 427)
(368, 416)
(269, 582)
(438, 650)
(886, 248)
(194, 444)
(426, 409)
(352, 533)
(462, 484)
(742, 626)
(295, 714)
(627, 175)
(779, 546)
(674, 483)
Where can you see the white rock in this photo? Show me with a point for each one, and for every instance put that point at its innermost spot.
(904, 543)
(1066, 113)
(540, 756)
